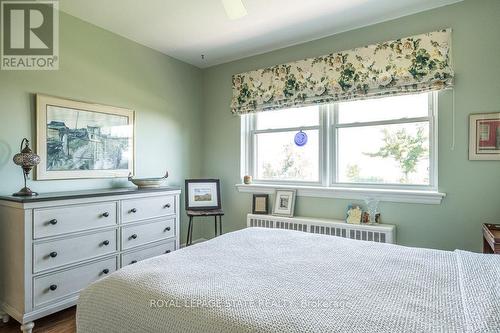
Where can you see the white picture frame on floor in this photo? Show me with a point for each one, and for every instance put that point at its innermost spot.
(284, 203)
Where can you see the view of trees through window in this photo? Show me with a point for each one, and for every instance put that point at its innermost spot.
(405, 149)
(378, 141)
(292, 166)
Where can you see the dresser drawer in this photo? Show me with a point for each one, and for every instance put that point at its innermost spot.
(146, 233)
(61, 220)
(147, 208)
(53, 254)
(62, 284)
(135, 256)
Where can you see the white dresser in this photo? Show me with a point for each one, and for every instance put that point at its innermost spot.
(54, 245)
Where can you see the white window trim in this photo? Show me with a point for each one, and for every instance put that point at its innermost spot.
(328, 186)
(388, 195)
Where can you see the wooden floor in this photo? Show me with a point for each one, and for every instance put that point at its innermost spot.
(61, 322)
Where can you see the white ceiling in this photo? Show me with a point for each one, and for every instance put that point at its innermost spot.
(186, 29)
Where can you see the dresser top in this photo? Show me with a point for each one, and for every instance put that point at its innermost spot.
(86, 194)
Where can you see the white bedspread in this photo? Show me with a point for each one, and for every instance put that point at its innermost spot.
(262, 280)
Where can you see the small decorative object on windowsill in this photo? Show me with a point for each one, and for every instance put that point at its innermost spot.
(147, 182)
(366, 218)
(260, 204)
(354, 214)
(26, 159)
(247, 180)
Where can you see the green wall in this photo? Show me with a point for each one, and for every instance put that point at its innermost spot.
(472, 187)
(184, 123)
(101, 67)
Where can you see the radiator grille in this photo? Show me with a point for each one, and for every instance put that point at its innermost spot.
(382, 233)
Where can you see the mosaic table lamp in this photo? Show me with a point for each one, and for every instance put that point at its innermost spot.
(26, 159)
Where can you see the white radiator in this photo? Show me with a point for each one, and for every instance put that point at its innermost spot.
(382, 233)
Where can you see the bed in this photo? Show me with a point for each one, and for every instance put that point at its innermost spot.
(268, 280)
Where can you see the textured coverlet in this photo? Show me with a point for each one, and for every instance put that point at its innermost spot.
(265, 280)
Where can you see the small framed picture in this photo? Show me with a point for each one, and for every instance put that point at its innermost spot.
(284, 203)
(260, 204)
(203, 194)
(484, 136)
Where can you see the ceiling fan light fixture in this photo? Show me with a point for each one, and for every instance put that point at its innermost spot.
(234, 9)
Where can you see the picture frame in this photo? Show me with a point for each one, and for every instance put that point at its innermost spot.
(78, 140)
(260, 204)
(202, 194)
(284, 203)
(484, 136)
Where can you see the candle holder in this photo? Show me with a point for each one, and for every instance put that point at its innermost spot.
(26, 159)
(372, 206)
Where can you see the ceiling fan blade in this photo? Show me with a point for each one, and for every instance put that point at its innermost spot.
(234, 9)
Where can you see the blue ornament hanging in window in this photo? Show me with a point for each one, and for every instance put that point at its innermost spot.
(300, 138)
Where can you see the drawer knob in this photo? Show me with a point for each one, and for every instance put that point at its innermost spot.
(167, 229)
(134, 236)
(105, 271)
(133, 261)
(167, 205)
(53, 221)
(53, 254)
(168, 251)
(106, 242)
(105, 214)
(133, 210)
(53, 287)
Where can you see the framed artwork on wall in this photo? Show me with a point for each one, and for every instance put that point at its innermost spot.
(202, 194)
(484, 136)
(284, 203)
(83, 140)
(260, 204)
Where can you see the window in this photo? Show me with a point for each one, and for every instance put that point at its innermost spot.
(275, 155)
(377, 143)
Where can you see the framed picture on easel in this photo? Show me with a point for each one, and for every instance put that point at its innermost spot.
(202, 194)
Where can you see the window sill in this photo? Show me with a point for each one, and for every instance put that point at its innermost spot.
(388, 195)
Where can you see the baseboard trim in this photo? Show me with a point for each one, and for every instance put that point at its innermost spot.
(199, 240)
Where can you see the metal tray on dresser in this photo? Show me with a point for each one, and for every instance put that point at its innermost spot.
(56, 244)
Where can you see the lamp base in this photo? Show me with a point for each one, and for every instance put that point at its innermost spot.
(25, 192)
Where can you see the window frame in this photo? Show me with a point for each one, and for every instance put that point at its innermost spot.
(328, 149)
(249, 160)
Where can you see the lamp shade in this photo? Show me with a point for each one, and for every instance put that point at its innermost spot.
(26, 158)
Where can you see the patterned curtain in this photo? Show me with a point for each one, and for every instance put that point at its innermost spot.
(407, 65)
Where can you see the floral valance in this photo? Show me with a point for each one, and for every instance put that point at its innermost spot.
(407, 65)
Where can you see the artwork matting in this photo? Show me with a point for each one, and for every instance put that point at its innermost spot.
(484, 136)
